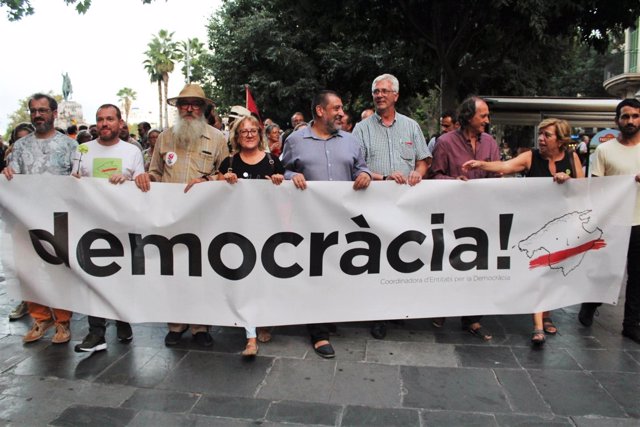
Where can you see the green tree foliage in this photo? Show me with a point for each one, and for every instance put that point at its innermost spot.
(189, 52)
(285, 50)
(126, 96)
(161, 55)
(18, 9)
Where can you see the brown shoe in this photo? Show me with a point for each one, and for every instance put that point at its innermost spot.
(38, 330)
(264, 335)
(62, 335)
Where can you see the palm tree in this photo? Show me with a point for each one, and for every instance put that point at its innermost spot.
(127, 96)
(161, 55)
(188, 51)
(155, 77)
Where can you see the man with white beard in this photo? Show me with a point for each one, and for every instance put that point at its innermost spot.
(190, 152)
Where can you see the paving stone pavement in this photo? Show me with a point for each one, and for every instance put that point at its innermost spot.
(417, 376)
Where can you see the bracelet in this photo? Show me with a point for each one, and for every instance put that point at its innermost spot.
(384, 177)
(206, 177)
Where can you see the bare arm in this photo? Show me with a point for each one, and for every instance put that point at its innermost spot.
(517, 164)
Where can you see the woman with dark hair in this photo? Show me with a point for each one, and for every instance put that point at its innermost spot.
(249, 161)
(22, 130)
(551, 159)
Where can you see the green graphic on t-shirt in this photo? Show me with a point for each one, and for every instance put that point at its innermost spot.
(105, 167)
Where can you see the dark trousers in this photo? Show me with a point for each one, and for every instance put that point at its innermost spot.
(98, 325)
(468, 320)
(318, 332)
(632, 296)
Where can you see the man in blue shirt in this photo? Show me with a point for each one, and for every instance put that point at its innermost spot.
(324, 152)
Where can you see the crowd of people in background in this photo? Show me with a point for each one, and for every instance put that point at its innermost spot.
(384, 145)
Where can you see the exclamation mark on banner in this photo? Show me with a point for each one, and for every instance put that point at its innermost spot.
(504, 262)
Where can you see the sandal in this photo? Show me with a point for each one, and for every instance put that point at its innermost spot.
(548, 326)
(481, 333)
(537, 337)
(251, 349)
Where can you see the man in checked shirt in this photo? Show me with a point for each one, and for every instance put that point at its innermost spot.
(190, 153)
(393, 146)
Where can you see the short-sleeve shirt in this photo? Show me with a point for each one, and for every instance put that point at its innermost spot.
(32, 155)
(102, 161)
(387, 149)
(176, 163)
(337, 158)
(614, 158)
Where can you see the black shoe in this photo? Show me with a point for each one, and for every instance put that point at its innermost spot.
(203, 339)
(325, 351)
(173, 338)
(125, 334)
(632, 333)
(379, 330)
(90, 344)
(587, 311)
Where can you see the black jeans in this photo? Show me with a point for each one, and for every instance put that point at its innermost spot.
(98, 325)
(467, 321)
(632, 296)
(318, 332)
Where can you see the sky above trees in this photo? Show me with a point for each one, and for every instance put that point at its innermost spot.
(102, 50)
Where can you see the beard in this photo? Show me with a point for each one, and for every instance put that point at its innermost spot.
(187, 132)
(43, 126)
(629, 131)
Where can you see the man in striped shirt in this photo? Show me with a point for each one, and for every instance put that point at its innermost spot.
(393, 146)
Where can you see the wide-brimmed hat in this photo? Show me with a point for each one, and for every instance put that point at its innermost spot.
(190, 91)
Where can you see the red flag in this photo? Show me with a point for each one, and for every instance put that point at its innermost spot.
(251, 104)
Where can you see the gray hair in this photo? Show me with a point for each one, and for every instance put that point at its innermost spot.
(395, 84)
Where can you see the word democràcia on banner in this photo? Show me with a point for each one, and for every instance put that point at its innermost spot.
(334, 233)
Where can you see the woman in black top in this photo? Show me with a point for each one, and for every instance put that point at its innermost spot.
(249, 161)
(550, 159)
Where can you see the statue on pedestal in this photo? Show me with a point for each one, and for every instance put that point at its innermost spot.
(69, 112)
(67, 89)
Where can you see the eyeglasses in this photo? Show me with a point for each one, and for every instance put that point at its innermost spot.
(34, 111)
(383, 92)
(247, 132)
(196, 105)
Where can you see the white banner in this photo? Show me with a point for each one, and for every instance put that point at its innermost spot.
(258, 254)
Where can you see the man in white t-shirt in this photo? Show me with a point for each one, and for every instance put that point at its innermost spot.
(621, 156)
(118, 161)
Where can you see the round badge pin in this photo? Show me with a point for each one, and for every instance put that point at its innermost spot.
(171, 158)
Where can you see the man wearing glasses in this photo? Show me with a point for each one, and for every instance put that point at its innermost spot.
(45, 151)
(190, 152)
(393, 146)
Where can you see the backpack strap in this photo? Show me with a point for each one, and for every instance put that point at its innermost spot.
(231, 157)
